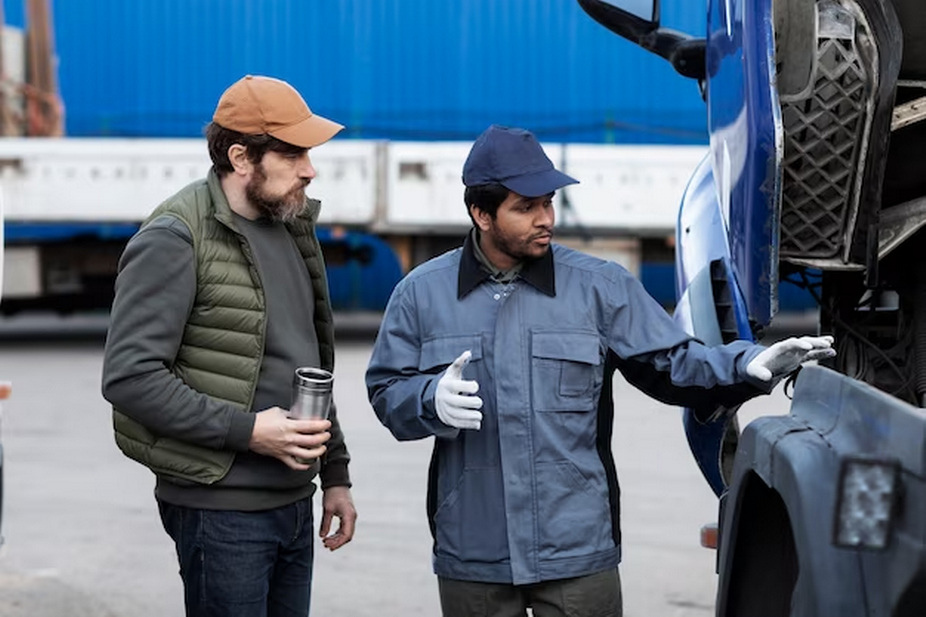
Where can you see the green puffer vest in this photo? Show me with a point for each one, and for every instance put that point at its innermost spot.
(223, 342)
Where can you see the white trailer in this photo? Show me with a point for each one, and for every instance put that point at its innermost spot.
(73, 203)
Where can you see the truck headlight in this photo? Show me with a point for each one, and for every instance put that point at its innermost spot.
(865, 505)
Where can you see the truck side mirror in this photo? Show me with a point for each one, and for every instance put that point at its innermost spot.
(628, 18)
(638, 22)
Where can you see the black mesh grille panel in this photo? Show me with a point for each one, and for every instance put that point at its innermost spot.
(825, 140)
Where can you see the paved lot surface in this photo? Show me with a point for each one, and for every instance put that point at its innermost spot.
(83, 537)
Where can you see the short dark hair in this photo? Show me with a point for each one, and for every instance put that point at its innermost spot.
(486, 197)
(220, 139)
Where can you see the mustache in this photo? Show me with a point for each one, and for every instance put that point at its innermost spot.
(298, 191)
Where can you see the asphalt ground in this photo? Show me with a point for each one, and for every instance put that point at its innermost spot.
(83, 537)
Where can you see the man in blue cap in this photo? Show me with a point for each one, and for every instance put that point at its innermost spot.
(523, 499)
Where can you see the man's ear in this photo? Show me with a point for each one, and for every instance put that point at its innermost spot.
(480, 217)
(238, 157)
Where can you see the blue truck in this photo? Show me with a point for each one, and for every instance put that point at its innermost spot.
(816, 173)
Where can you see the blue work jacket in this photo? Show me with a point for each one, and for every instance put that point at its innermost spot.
(533, 494)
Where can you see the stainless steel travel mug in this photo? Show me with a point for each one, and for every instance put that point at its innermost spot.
(311, 393)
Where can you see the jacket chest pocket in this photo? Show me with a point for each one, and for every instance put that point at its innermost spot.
(437, 353)
(565, 370)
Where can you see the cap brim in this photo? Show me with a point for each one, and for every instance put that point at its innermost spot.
(540, 183)
(311, 132)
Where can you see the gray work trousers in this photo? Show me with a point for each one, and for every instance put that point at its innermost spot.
(595, 595)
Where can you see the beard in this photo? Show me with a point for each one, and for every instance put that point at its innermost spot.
(277, 208)
(517, 248)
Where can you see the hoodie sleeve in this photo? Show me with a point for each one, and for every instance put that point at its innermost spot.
(335, 460)
(155, 290)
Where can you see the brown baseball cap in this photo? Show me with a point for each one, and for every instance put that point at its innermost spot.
(256, 105)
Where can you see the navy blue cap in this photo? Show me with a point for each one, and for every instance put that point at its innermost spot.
(513, 158)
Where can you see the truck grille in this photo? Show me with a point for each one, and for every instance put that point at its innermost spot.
(826, 133)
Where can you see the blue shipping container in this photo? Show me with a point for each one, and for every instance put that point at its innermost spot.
(396, 69)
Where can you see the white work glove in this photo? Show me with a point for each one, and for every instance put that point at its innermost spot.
(453, 400)
(784, 356)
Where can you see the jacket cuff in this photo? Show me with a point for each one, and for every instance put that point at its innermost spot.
(335, 474)
(239, 432)
(428, 413)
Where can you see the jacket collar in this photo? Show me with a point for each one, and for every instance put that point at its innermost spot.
(537, 272)
(223, 212)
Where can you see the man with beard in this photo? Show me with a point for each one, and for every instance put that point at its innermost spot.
(523, 498)
(220, 296)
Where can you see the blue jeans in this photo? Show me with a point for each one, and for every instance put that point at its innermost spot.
(243, 564)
